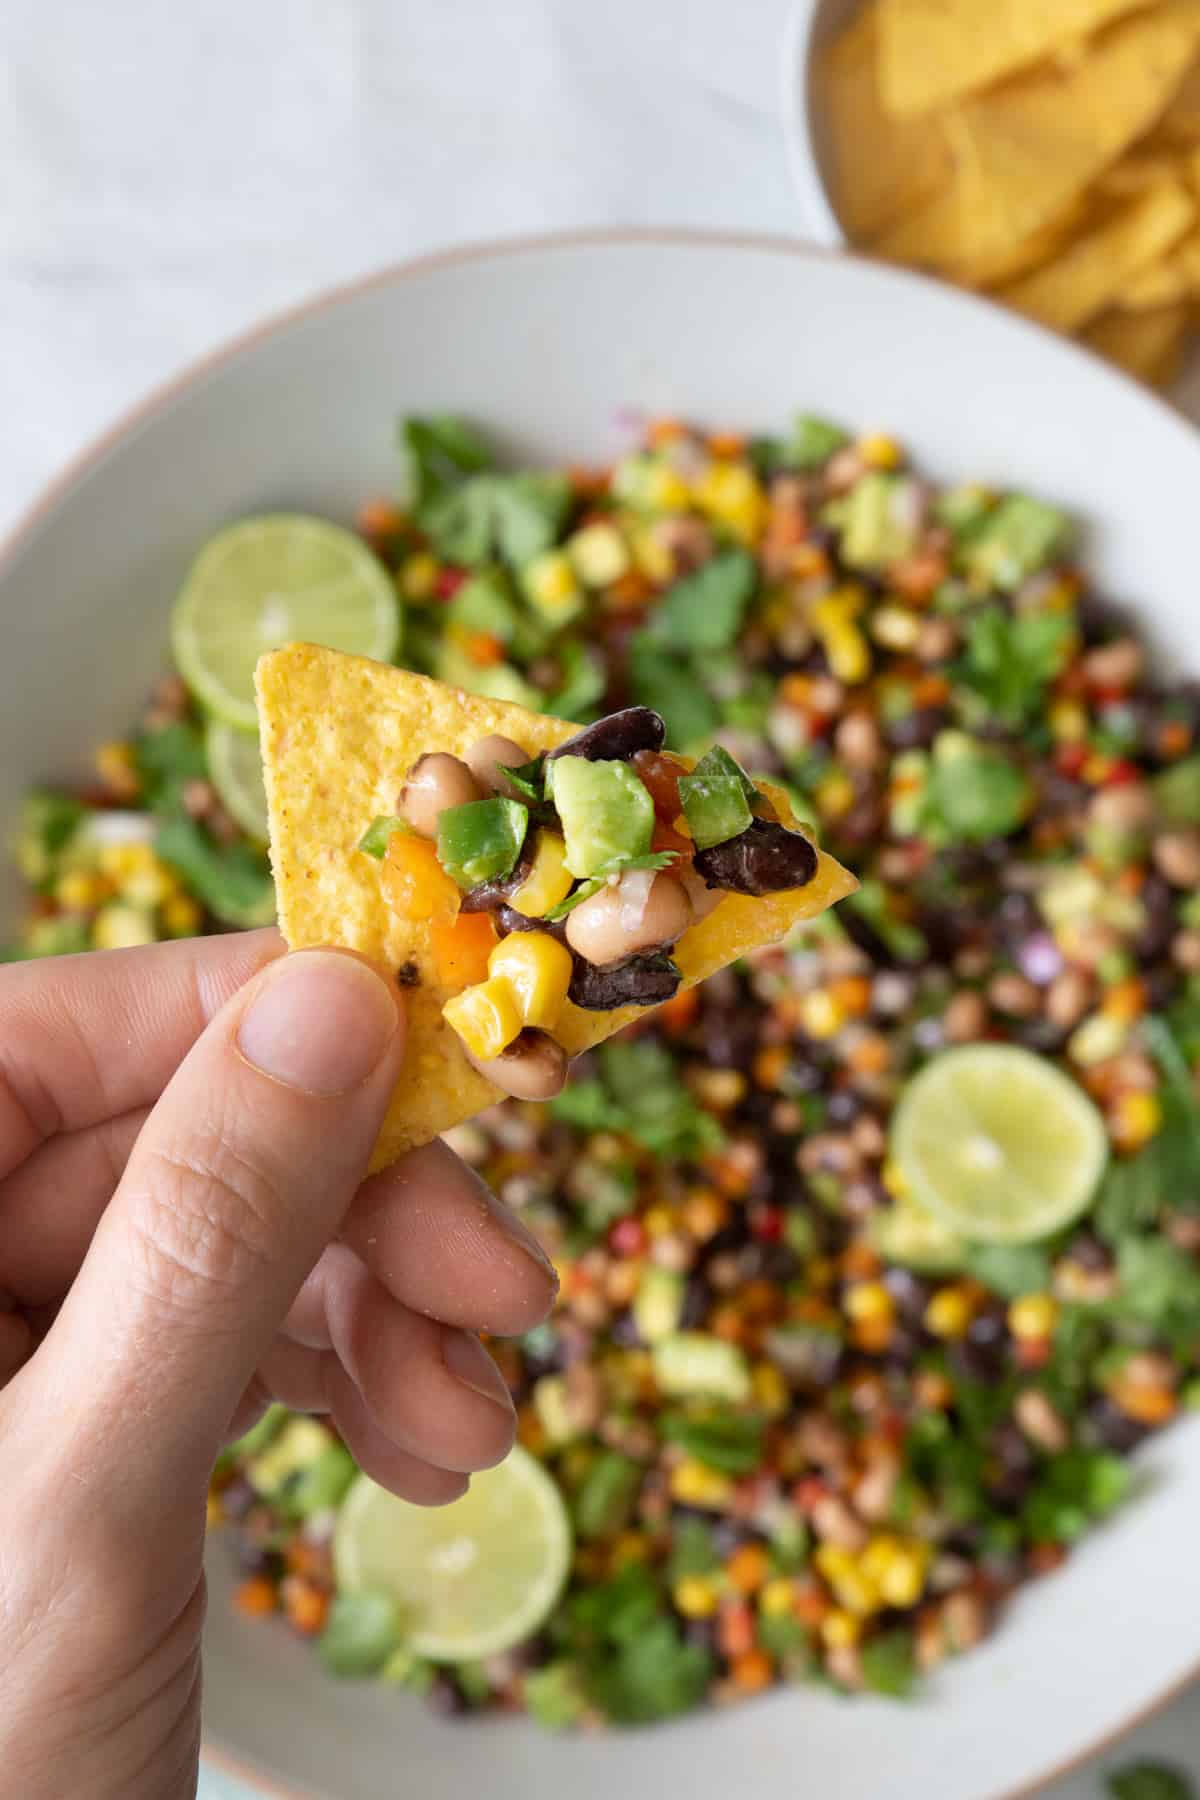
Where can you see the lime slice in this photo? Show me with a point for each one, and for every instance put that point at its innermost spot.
(906, 1233)
(998, 1144)
(471, 1579)
(235, 770)
(277, 579)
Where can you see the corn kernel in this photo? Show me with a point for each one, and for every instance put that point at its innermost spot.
(852, 1589)
(663, 490)
(552, 585)
(770, 1389)
(778, 1597)
(1125, 1000)
(894, 1180)
(694, 1484)
(949, 1313)
(538, 970)
(651, 558)
(548, 881)
(820, 1014)
(658, 1221)
(840, 1630)
(1134, 1119)
(703, 1213)
(878, 451)
(1068, 721)
(695, 1597)
(418, 576)
(897, 1567)
(1033, 1316)
(79, 890)
(487, 1017)
(116, 768)
(181, 916)
(629, 1548)
(150, 884)
(599, 554)
(119, 927)
(834, 795)
(868, 1302)
(719, 1088)
(732, 493)
(849, 654)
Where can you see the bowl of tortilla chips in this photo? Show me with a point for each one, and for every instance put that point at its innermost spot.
(1045, 153)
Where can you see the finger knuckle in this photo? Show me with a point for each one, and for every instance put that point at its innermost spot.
(202, 1223)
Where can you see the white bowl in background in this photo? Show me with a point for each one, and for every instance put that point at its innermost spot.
(544, 342)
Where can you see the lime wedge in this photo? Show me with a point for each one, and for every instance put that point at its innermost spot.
(235, 770)
(998, 1144)
(906, 1233)
(278, 579)
(471, 1579)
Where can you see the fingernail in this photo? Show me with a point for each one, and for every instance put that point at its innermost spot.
(320, 1023)
(521, 1236)
(469, 1362)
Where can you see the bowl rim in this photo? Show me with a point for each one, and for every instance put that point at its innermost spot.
(162, 396)
(796, 80)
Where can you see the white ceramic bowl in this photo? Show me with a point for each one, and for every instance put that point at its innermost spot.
(545, 342)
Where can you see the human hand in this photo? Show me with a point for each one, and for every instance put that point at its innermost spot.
(185, 1234)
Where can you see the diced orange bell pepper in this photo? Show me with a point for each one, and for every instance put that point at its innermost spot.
(461, 947)
(415, 885)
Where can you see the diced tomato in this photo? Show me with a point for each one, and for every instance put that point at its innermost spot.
(448, 582)
(659, 775)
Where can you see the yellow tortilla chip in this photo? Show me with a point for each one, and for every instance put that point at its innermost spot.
(1139, 170)
(1149, 345)
(1077, 286)
(935, 51)
(1028, 148)
(339, 734)
(1029, 253)
(877, 168)
(1180, 124)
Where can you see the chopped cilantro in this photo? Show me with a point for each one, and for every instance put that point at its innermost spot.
(1149, 1781)
(672, 687)
(718, 1437)
(166, 761)
(1010, 1269)
(1010, 659)
(973, 793)
(704, 611)
(231, 880)
(889, 1664)
(582, 683)
(605, 1502)
(639, 1094)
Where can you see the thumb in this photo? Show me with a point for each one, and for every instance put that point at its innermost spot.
(240, 1177)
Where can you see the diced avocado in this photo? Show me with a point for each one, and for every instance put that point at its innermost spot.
(1177, 792)
(482, 840)
(496, 681)
(362, 1633)
(599, 553)
(813, 442)
(606, 813)
(48, 822)
(878, 526)
(322, 1485)
(658, 1303)
(1019, 537)
(262, 1432)
(905, 1233)
(295, 1449)
(692, 1362)
(963, 509)
(552, 588)
(64, 935)
(973, 792)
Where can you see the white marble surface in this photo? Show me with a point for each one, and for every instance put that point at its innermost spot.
(171, 173)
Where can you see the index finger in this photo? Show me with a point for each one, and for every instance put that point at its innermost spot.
(85, 1038)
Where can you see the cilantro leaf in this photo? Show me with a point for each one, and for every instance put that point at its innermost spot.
(231, 880)
(718, 1437)
(1149, 1781)
(469, 512)
(654, 1676)
(441, 451)
(528, 513)
(620, 865)
(639, 1094)
(1010, 1270)
(166, 761)
(606, 1499)
(704, 611)
(889, 1664)
(1160, 1285)
(670, 685)
(1010, 659)
(581, 686)
(975, 794)
(528, 779)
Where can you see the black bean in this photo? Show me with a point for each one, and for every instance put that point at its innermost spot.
(983, 1352)
(766, 858)
(446, 1697)
(1162, 985)
(624, 1332)
(1042, 1035)
(1158, 905)
(509, 919)
(616, 738)
(492, 894)
(697, 1298)
(1109, 1426)
(844, 1107)
(701, 1634)
(238, 1498)
(256, 1559)
(910, 1292)
(1086, 1249)
(642, 981)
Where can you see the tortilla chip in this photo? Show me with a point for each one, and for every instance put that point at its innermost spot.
(1031, 146)
(1077, 286)
(877, 168)
(1180, 124)
(338, 736)
(1148, 345)
(1029, 253)
(935, 51)
(1137, 171)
